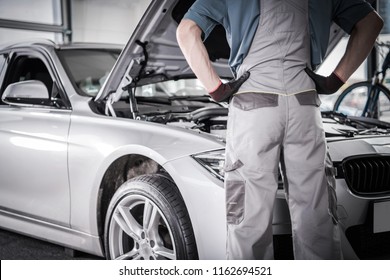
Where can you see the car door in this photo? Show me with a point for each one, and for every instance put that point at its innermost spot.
(33, 142)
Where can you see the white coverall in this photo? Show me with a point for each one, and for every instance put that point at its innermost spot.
(275, 118)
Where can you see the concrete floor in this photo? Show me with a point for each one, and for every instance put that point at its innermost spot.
(14, 246)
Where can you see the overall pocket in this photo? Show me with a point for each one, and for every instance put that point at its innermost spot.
(308, 98)
(251, 100)
(235, 193)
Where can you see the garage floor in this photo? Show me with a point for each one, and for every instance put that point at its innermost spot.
(14, 246)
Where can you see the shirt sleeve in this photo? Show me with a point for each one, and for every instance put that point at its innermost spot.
(346, 13)
(207, 14)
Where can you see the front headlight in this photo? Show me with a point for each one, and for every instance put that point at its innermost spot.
(213, 161)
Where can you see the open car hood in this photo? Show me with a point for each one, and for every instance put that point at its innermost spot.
(152, 53)
(164, 60)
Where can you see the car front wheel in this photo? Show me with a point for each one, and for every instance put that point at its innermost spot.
(147, 220)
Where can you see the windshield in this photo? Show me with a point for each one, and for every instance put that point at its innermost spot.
(88, 68)
(184, 87)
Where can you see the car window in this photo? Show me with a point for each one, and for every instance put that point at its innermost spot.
(26, 68)
(87, 68)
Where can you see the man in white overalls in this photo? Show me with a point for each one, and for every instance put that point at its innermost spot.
(273, 117)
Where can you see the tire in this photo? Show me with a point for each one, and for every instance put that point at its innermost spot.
(362, 88)
(147, 219)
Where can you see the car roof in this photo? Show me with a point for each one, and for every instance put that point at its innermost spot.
(46, 43)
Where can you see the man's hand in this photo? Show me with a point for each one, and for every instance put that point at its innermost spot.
(225, 91)
(325, 85)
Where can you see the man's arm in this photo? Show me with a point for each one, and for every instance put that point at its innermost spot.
(359, 45)
(189, 37)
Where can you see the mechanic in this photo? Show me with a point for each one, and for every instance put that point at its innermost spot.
(274, 115)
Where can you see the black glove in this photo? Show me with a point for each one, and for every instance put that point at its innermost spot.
(225, 91)
(325, 85)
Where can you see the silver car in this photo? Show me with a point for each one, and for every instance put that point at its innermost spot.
(120, 152)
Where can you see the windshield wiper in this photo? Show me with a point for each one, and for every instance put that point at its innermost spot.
(202, 98)
(370, 122)
(363, 125)
(357, 122)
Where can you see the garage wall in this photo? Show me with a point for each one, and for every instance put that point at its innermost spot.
(37, 11)
(110, 21)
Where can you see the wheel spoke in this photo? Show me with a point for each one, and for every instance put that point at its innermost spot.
(138, 257)
(133, 254)
(127, 222)
(151, 219)
(165, 252)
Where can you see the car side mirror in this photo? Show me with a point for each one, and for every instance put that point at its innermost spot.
(26, 93)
